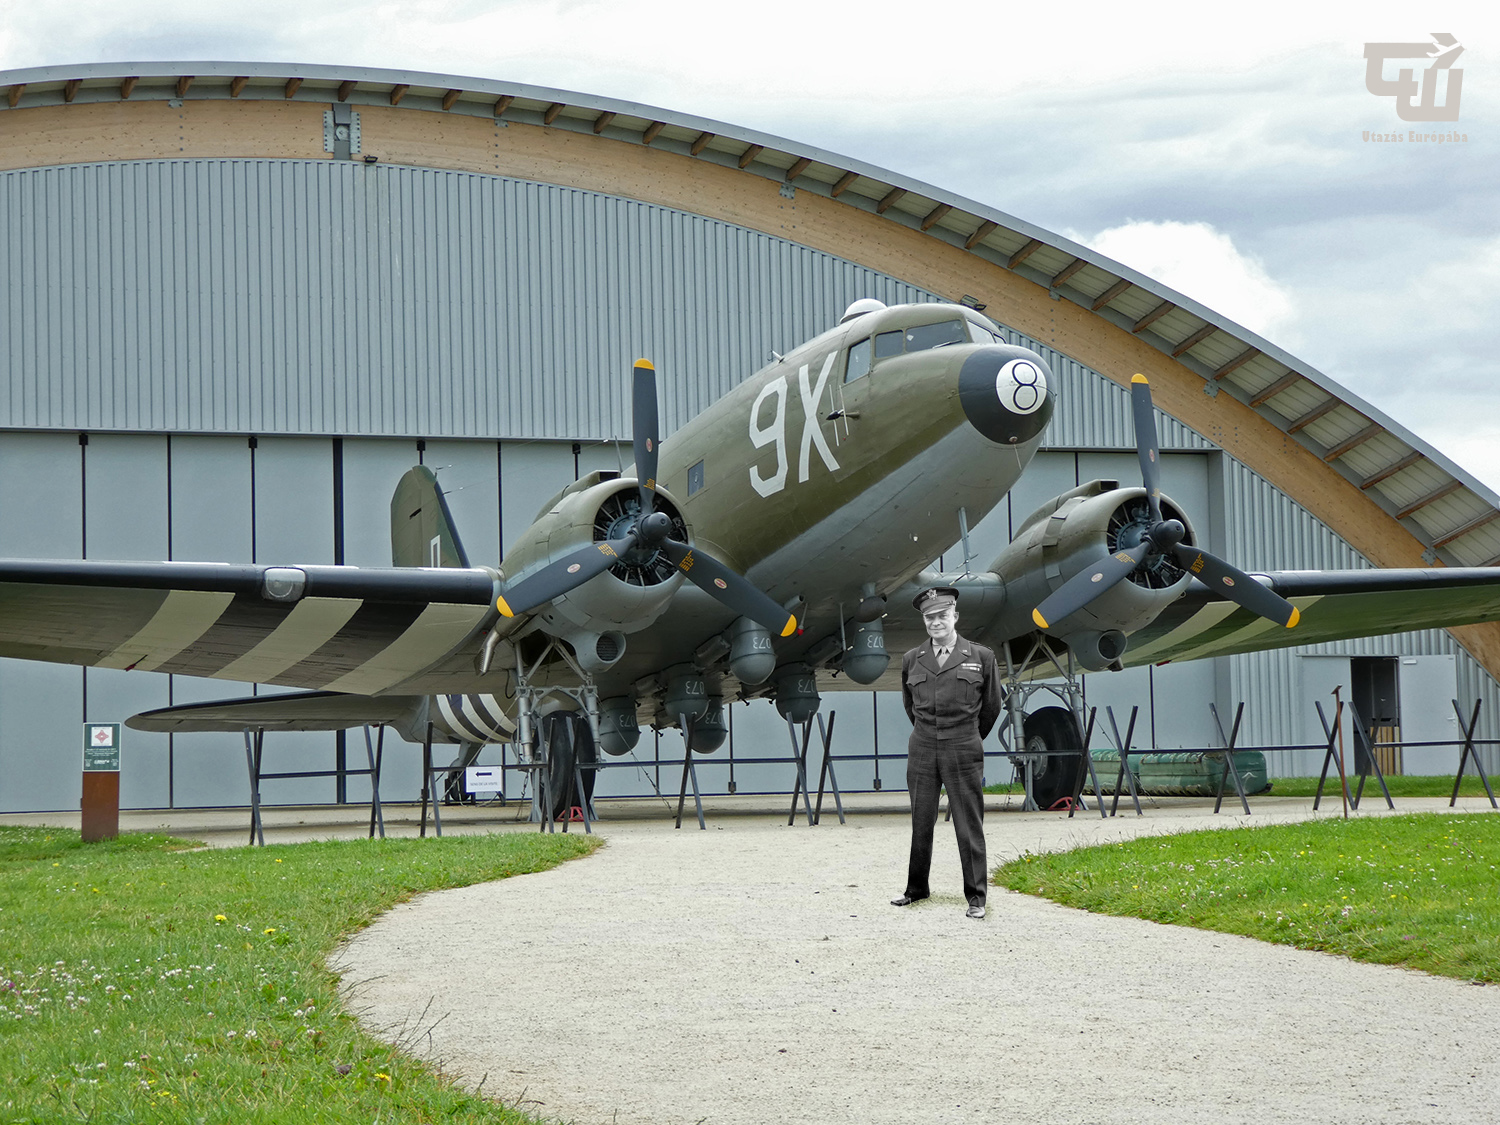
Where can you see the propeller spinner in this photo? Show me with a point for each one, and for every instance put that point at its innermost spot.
(1161, 537)
(651, 531)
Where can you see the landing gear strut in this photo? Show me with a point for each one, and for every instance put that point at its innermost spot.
(1048, 742)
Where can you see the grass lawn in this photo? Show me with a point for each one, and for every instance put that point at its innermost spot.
(1400, 786)
(146, 979)
(1422, 891)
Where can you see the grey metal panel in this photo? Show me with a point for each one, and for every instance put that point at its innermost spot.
(210, 499)
(530, 473)
(294, 501)
(371, 469)
(468, 472)
(334, 297)
(41, 488)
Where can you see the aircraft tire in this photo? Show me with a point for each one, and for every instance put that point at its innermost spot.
(1055, 776)
(557, 728)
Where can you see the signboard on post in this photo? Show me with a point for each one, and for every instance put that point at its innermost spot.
(100, 802)
(101, 747)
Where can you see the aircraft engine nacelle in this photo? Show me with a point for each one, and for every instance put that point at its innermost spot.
(1072, 533)
(596, 617)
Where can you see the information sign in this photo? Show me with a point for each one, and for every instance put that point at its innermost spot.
(101, 747)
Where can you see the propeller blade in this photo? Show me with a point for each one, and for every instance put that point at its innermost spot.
(1231, 582)
(645, 423)
(567, 573)
(735, 591)
(1147, 445)
(1087, 585)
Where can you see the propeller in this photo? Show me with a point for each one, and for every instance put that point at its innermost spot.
(651, 531)
(1161, 537)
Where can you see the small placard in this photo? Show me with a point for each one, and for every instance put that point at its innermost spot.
(101, 747)
(484, 779)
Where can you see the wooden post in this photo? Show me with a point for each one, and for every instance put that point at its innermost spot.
(100, 805)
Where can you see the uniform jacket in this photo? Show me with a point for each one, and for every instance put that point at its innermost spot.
(957, 701)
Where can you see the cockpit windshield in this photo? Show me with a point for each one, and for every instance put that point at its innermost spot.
(919, 338)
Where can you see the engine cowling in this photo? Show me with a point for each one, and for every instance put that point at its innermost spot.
(1070, 534)
(595, 618)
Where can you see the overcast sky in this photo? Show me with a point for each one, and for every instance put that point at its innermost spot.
(1220, 150)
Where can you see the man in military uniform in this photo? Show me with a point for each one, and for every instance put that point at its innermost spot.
(951, 688)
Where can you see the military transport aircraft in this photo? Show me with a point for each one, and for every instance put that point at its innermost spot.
(771, 548)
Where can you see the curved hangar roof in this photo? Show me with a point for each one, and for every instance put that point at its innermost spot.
(1397, 500)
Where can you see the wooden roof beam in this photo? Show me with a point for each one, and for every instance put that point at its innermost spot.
(935, 216)
(748, 156)
(236, 86)
(700, 143)
(502, 103)
(1374, 429)
(1431, 498)
(1390, 470)
(1023, 253)
(601, 122)
(70, 89)
(450, 97)
(1473, 525)
(890, 199)
(398, 91)
(1286, 382)
(15, 94)
(1153, 316)
(552, 111)
(1110, 294)
(1236, 363)
(292, 85)
(346, 88)
(1327, 406)
(1066, 272)
(986, 229)
(1195, 339)
(801, 165)
(653, 131)
(183, 83)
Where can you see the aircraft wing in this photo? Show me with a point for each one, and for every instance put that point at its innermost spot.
(303, 710)
(331, 628)
(1335, 605)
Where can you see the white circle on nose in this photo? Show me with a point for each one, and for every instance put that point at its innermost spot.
(1021, 387)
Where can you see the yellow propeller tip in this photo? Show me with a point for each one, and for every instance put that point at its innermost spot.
(503, 607)
(1296, 617)
(791, 627)
(1041, 622)
(1139, 378)
(646, 363)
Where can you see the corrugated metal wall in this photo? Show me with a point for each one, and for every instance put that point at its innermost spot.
(338, 297)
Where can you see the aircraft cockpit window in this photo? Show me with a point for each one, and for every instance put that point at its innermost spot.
(888, 344)
(859, 361)
(925, 336)
(982, 335)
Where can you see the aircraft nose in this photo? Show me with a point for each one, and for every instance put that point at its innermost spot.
(1006, 393)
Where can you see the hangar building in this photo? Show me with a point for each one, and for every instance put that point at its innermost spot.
(242, 299)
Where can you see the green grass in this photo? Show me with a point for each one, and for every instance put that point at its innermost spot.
(1400, 786)
(1421, 891)
(142, 979)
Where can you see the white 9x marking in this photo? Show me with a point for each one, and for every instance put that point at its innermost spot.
(775, 431)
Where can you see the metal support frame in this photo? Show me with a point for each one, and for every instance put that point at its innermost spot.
(689, 771)
(1468, 750)
(1088, 758)
(1230, 771)
(254, 756)
(801, 787)
(1334, 755)
(1123, 746)
(1363, 740)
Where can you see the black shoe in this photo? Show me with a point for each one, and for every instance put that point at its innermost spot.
(975, 911)
(907, 900)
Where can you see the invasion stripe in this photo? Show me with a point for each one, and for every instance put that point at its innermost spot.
(489, 709)
(184, 616)
(1235, 641)
(247, 621)
(437, 632)
(369, 632)
(306, 629)
(1206, 618)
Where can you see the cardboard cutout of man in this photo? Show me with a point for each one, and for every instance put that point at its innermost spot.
(951, 688)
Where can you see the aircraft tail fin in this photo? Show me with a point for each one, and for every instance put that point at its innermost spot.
(422, 531)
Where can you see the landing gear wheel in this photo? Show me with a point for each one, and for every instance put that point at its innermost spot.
(1053, 776)
(568, 739)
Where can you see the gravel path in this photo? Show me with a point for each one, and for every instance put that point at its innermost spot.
(754, 973)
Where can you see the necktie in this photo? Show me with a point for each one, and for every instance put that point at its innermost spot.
(942, 656)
